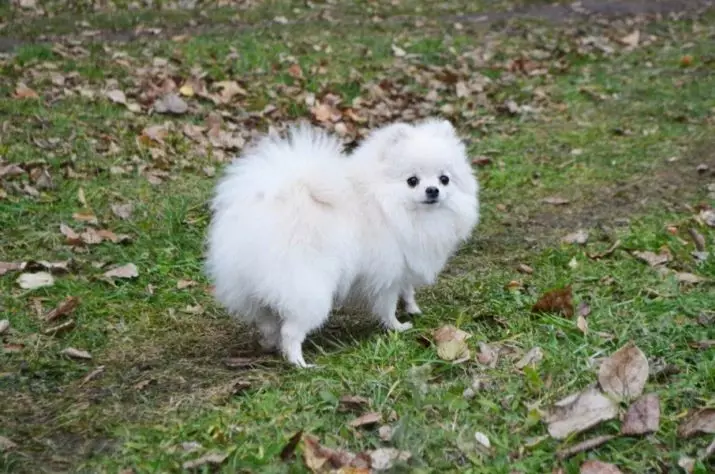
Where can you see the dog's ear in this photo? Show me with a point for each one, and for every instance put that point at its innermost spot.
(387, 137)
(440, 127)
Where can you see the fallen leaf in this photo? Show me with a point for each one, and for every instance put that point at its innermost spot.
(12, 347)
(397, 51)
(64, 308)
(60, 328)
(686, 60)
(288, 451)
(77, 353)
(624, 374)
(156, 133)
(605, 253)
(533, 357)
(385, 432)
(142, 384)
(709, 451)
(123, 211)
(6, 444)
(295, 71)
(316, 457)
(555, 200)
(125, 271)
(31, 281)
(229, 89)
(579, 412)
(352, 403)
(698, 239)
(451, 343)
(367, 419)
(85, 217)
(487, 355)
(4, 325)
(631, 40)
(652, 258)
(643, 416)
(73, 237)
(702, 421)
(583, 446)
(688, 278)
(583, 309)
(383, 459)
(523, 268)
(707, 216)
(555, 301)
(582, 324)
(92, 375)
(171, 103)
(593, 466)
(703, 345)
(482, 439)
(24, 92)
(8, 267)
(579, 237)
(187, 90)
(214, 459)
(117, 96)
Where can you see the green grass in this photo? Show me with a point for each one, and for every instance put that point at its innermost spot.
(164, 382)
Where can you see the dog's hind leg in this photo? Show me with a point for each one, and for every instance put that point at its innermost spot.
(298, 323)
(385, 307)
(408, 298)
(269, 325)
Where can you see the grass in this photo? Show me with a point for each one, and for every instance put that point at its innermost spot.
(618, 134)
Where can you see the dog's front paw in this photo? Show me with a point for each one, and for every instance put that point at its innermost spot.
(401, 327)
(413, 309)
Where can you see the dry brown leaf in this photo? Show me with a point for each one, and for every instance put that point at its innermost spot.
(451, 343)
(370, 418)
(90, 237)
(11, 170)
(385, 432)
(582, 324)
(555, 301)
(487, 355)
(183, 284)
(688, 278)
(171, 103)
(13, 347)
(702, 421)
(352, 403)
(583, 446)
(698, 239)
(643, 416)
(73, 237)
(583, 309)
(63, 309)
(31, 281)
(703, 345)
(631, 40)
(317, 458)
(383, 459)
(653, 259)
(523, 268)
(59, 329)
(85, 217)
(6, 444)
(533, 357)
(707, 217)
(77, 353)
(593, 466)
(229, 89)
(117, 96)
(624, 374)
(579, 237)
(123, 211)
(154, 133)
(555, 200)
(92, 375)
(125, 271)
(214, 459)
(4, 325)
(24, 92)
(9, 267)
(579, 412)
(605, 253)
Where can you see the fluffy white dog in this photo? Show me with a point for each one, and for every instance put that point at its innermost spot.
(299, 229)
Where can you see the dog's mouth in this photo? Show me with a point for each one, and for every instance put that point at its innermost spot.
(431, 201)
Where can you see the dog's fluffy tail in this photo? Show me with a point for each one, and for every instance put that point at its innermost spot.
(305, 162)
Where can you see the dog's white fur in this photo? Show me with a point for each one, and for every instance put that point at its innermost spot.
(299, 229)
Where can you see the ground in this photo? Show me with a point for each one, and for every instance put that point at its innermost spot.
(595, 116)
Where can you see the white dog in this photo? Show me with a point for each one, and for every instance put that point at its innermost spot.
(299, 229)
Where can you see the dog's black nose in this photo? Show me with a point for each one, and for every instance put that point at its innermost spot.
(432, 192)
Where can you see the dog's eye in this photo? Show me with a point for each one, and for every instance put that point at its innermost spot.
(413, 181)
(444, 180)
